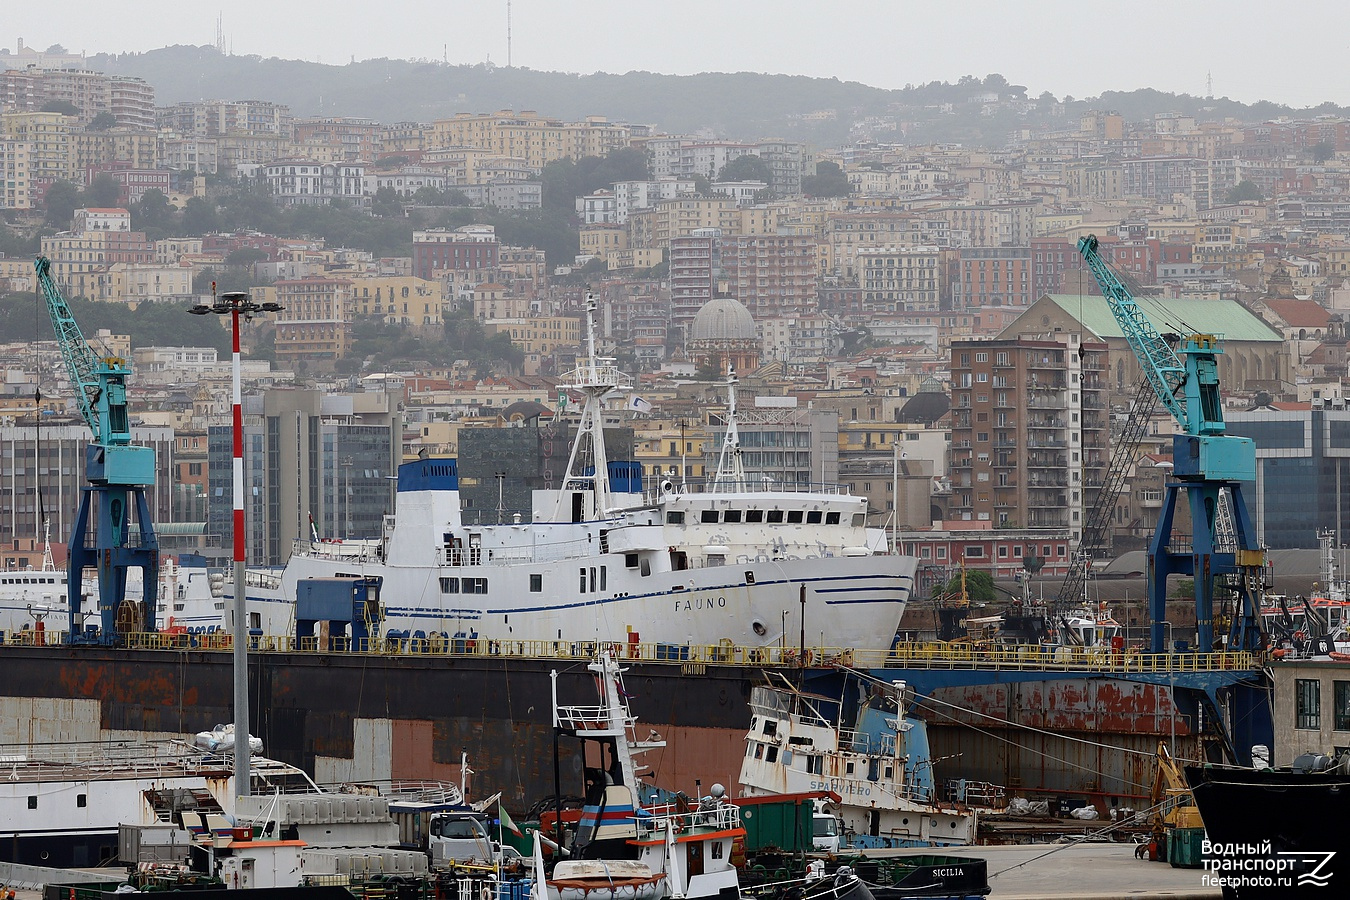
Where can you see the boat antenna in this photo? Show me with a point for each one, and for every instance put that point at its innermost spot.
(730, 466)
(595, 379)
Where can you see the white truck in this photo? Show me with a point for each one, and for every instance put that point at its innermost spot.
(449, 836)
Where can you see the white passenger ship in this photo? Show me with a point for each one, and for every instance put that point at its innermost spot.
(740, 560)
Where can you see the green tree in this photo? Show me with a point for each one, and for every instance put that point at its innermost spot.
(979, 587)
(1323, 151)
(710, 368)
(746, 168)
(199, 217)
(103, 191)
(102, 122)
(829, 181)
(153, 212)
(245, 257)
(386, 203)
(1245, 190)
(64, 107)
(61, 200)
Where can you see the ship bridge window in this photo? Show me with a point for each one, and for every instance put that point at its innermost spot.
(775, 517)
(770, 727)
(731, 516)
(754, 515)
(32, 801)
(675, 517)
(859, 519)
(832, 518)
(816, 765)
(645, 567)
(772, 755)
(708, 517)
(81, 800)
(475, 585)
(814, 517)
(759, 754)
(536, 582)
(630, 560)
(449, 585)
(794, 516)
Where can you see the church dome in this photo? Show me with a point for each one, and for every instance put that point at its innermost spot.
(723, 319)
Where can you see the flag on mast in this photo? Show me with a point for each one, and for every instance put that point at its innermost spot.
(505, 818)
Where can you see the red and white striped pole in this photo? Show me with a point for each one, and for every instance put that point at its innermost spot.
(242, 768)
(236, 304)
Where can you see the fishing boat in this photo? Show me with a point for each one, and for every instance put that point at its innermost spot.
(604, 559)
(621, 849)
(877, 764)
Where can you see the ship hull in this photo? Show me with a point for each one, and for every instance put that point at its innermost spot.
(853, 602)
(376, 716)
(1275, 833)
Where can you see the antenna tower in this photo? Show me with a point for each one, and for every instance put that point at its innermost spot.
(220, 33)
(508, 34)
(1209, 85)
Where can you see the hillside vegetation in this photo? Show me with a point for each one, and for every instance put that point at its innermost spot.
(740, 105)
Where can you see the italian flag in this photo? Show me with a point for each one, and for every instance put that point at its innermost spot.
(505, 819)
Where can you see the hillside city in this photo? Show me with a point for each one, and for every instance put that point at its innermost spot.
(912, 321)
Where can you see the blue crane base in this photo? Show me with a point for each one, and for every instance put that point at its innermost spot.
(1202, 562)
(111, 549)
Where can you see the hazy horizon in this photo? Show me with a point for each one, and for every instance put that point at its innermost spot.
(1057, 46)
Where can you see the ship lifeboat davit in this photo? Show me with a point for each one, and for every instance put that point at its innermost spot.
(605, 879)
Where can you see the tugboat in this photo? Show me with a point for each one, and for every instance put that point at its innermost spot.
(622, 850)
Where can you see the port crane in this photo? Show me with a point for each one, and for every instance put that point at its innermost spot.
(106, 537)
(1208, 465)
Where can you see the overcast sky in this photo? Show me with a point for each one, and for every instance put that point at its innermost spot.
(1288, 52)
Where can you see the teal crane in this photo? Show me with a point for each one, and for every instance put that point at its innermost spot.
(106, 536)
(1207, 464)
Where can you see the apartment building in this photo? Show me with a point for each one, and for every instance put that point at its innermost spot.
(695, 266)
(348, 139)
(532, 138)
(399, 299)
(216, 118)
(772, 274)
(466, 249)
(47, 136)
(993, 276)
(15, 192)
(304, 182)
(1029, 431)
(314, 327)
(900, 278)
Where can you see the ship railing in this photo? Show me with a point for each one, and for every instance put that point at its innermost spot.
(1031, 657)
(354, 551)
(752, 483)
(589, 718)
(708, 814)
(695, 658)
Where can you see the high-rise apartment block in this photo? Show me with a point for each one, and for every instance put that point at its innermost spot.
(771, 274)
(1029, 431)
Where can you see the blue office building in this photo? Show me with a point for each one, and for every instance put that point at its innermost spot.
(1302, 473)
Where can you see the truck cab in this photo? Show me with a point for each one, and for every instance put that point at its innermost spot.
(825, 836)
(460, 838)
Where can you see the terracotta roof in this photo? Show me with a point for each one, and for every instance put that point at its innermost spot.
(1300, 313)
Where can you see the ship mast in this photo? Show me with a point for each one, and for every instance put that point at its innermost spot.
(730, 466)
(596, 379)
